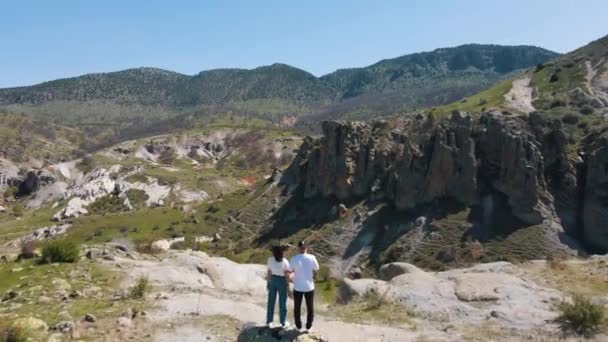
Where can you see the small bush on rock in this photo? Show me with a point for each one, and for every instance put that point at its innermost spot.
(581, 316)
(60, 251)
(140, 288)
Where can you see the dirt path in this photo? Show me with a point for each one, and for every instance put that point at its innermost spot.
(520, 96)
(189, 298)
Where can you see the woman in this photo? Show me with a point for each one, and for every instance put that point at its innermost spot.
(278, 273)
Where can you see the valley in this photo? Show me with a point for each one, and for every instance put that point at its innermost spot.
(472, 215)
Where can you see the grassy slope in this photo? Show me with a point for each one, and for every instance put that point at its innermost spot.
(22, 138)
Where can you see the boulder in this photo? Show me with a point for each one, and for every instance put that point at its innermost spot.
(30, 324)
(65, 327)
(90, 318)
(94, 253)
(160, 246)
(124, 322)
(2, 209)
(253, 333)
(390, 271)
(10, 295)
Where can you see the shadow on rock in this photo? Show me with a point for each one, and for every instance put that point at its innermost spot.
(253, 333)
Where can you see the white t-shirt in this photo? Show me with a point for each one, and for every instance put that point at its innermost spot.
(278, 268)
(303, 266)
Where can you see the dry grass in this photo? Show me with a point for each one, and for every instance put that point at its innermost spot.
(589, 277)
(375, 308)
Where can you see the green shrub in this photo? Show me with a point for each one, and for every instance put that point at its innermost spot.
(557, 103)
(539, 67)
(167, 157)
(11, 191)
(137, 197)
(324, 274)
(18, 209)
(87, 164)
(581, 316)
(60, 251)
(140, 288)
(570, 119)
(586, 110)
(107, 204)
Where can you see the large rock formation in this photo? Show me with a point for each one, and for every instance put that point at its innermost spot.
(595, 205)
(495, 292)
(513, 170)
(355, 159)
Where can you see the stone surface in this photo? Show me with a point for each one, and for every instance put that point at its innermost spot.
(252, 333)
(502, 167)
(471, 295)
(391, 270)
(595, 205)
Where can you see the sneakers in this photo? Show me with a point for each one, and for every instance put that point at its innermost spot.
(285, 325)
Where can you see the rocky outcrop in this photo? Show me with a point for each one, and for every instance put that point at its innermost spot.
(40, 234)
(511, 163)
(34, 180)
(595, 205)
(503, 167)
(458, 160)
(493, 292)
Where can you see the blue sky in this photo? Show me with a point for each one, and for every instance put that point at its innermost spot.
(44, 40)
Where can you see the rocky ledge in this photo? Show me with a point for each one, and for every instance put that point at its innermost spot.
(500, 165)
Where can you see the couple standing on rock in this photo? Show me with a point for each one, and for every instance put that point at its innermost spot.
(300, 271)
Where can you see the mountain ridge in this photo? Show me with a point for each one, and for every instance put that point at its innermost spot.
(172, 80)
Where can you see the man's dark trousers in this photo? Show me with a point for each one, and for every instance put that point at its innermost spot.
(310, 307)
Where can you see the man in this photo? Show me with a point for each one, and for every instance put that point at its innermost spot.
(304, 266)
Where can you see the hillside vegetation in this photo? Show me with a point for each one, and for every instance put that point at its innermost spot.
(114, 101)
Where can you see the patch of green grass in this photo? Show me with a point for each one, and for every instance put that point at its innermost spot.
(555, 80)
(35, 280)
(134, 225)
(489, 98)
(137, 178)
(14, 228)
(328, 290)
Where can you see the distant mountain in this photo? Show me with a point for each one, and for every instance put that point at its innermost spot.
(106, 105)
(575, 84)
(466, 63)
(148, 86)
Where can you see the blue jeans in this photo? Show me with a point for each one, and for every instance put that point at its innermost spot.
(277, 284)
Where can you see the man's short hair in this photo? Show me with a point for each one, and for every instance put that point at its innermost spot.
(301, 244)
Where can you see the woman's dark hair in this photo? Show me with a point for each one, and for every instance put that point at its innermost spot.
(277, 252)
